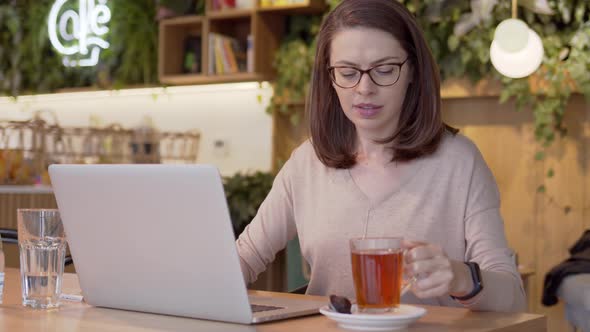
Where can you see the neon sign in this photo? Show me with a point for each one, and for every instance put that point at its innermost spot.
(79, 33)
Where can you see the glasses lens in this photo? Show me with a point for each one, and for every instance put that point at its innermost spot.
(385, 74)
(345, 77)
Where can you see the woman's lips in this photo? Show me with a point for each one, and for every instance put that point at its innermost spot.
(367, 110)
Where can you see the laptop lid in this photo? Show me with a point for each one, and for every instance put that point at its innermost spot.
(153, 238)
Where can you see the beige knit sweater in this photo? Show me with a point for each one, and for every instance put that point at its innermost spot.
(449, 198)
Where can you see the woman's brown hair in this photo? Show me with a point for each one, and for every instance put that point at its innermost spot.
(420, 126)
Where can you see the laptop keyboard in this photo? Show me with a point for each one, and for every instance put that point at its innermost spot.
(260, 308)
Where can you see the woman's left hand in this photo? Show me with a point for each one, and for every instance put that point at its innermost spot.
(435, 274)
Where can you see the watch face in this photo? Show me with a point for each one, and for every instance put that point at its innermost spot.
(476, 275)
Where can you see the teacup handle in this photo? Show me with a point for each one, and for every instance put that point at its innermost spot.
(406, 285)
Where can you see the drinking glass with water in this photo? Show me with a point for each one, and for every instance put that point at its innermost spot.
(42, 247)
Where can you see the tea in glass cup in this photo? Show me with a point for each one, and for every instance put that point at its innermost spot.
(377, 271)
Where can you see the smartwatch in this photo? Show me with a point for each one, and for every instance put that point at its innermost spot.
(477, 282)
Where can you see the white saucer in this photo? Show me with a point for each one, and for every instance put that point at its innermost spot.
(403, 316)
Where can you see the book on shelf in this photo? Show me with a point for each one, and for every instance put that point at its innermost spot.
(230, 4)
(227, 55)
(250, 54)
(192, 55)
(244, 4)
(223, 4)
(279, 3)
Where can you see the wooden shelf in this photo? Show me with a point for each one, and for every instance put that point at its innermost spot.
(464, 88)
(174, 35)
(183, 20)
(212, 79)
(256, 32)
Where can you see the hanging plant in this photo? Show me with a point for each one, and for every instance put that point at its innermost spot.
(245, 192)
(566, 39)
(293, 62)
(10, 56)
(459, 34)
(133, 34)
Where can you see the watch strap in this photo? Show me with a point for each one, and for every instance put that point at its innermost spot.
(477, 282)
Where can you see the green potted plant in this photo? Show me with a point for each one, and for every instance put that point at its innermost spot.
(245, 192)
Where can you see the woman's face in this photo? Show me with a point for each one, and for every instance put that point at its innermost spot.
(373, 109)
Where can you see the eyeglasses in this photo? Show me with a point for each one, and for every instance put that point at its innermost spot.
(348, 77)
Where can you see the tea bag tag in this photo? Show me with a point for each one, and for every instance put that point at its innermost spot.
(407, 285)
(71, 297)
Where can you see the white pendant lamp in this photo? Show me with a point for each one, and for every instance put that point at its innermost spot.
(517, 50)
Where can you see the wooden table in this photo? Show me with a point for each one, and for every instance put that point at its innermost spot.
(75, 316)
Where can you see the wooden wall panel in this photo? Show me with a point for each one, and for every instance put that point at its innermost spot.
(537, 227)
(286, 136)
(556, 229)
(506, 142)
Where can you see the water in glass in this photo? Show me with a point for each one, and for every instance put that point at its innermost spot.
(42, 264)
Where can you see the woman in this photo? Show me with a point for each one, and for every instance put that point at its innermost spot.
(380, 162)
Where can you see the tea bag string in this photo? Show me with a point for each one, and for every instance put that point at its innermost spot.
(366, 223)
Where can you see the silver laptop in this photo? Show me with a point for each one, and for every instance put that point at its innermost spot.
(158, 238)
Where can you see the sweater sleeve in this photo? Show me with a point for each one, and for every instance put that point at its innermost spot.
(270, 230)
(486, 245)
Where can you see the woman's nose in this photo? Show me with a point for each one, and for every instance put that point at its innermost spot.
(366, 85)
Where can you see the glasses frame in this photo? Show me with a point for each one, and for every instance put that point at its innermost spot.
(368, 72)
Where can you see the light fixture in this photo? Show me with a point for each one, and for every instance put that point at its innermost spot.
(517, 50)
